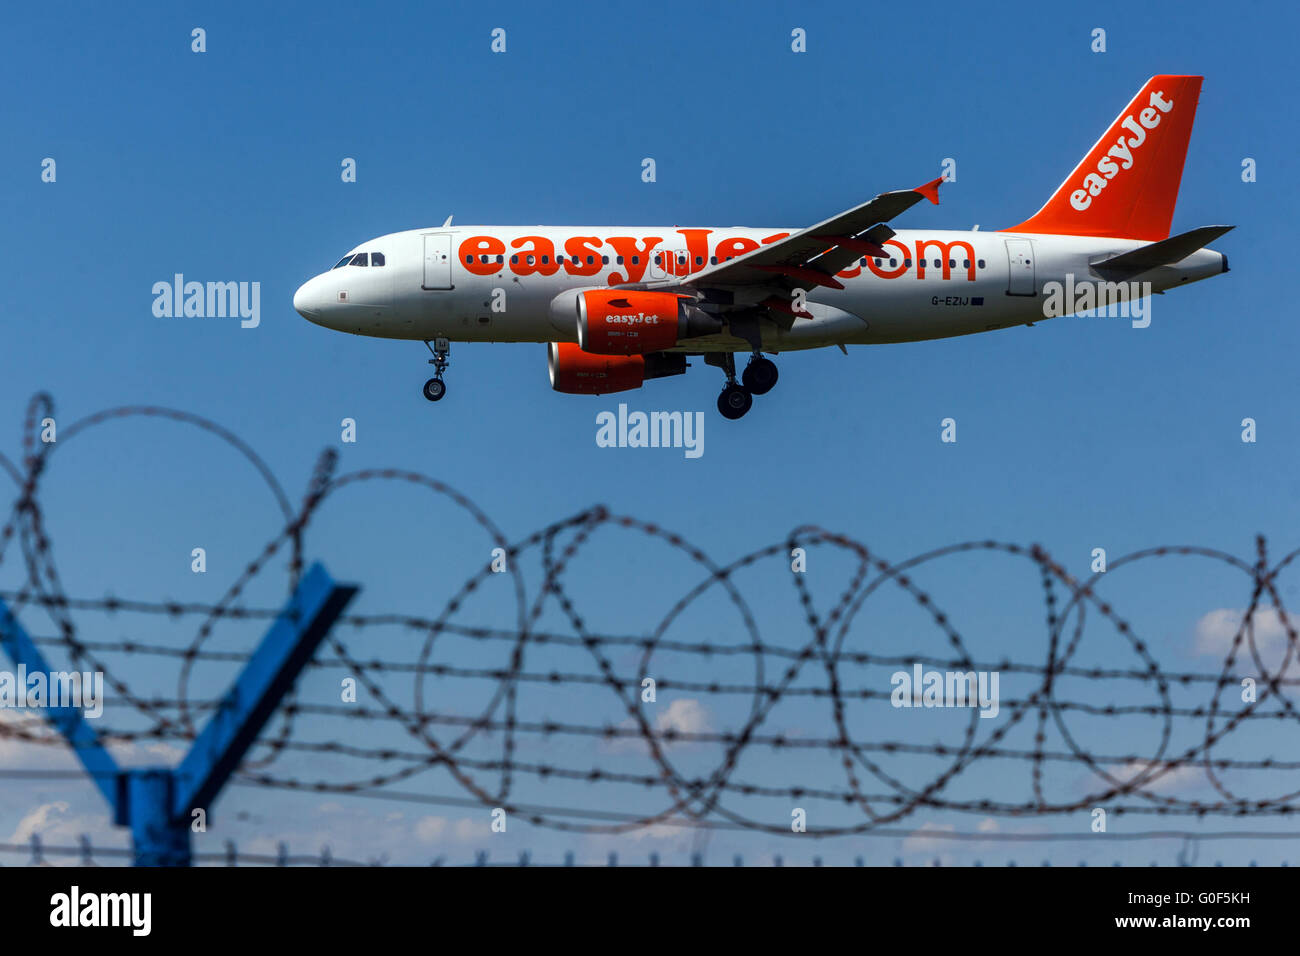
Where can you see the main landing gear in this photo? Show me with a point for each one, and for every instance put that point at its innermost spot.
(760, 375)
(734, 401)
(435, 387)
(738, 397)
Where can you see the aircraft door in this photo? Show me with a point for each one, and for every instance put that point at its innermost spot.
(437, 261)
(1020, 259)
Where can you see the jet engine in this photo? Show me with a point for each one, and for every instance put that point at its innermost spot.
(618, 322)
(580, 373)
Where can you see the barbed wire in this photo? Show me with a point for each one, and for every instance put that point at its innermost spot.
(638, 766)
(38, 852)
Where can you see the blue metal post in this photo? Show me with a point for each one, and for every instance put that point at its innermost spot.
(145, 806)
(157, 802)
(68, 721)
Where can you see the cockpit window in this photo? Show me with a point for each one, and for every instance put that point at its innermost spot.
(376, 258)
(359, 259)
(342, 262)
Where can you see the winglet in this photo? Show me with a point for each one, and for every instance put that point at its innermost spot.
(930, 190)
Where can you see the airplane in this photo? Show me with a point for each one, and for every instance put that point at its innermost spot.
(617, 306)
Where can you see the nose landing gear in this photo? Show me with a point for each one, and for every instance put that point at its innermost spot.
(435, 388)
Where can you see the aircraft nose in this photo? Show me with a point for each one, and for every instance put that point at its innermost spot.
(305, 303)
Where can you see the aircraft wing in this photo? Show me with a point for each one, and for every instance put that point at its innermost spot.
(809, 257)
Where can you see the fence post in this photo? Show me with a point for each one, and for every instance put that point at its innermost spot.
(156, 802)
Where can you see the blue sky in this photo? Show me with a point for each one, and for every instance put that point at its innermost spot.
(1077, 433)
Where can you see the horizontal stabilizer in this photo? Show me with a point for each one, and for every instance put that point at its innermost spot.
(1162, 253)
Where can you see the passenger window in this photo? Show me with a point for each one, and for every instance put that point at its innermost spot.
(937, 263)
(862, 261)
(965, 263)
(636, 260)
(952, 264)
(359, 259)
(907, 263)
(980, 263)
(591, 260)
(500, 259)
(514, 260)
(468, 260)
(699, 260)
(546, 260)
(619, 260)
(376, 258)
(659, 260)
(532, 259)
(892, 263)
(604, 260)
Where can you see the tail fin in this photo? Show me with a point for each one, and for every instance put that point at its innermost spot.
(1127, 185)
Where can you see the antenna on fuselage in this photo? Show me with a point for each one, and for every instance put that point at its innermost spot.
(447, 223)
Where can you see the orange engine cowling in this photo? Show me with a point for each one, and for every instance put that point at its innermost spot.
(614, 322)
(581, 373)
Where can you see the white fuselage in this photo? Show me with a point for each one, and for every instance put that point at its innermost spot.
(938, 283)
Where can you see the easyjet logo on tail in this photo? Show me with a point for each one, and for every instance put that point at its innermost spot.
(1122, 150)
(1134, 167)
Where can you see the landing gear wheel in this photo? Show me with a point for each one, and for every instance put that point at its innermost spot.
(760, 375)
(734, 401)
(435, 388)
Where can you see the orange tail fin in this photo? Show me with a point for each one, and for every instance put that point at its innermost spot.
(1127, 185)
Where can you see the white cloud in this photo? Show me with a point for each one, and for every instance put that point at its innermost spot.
(18, 752)
(1181, 777)
(467, 830)
(662, 831)
(1215, 632)
(685, 715)
(40, 820)
(21, 753)
(429, 829)
(58, 825)
(923, 840)
(437, 829)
